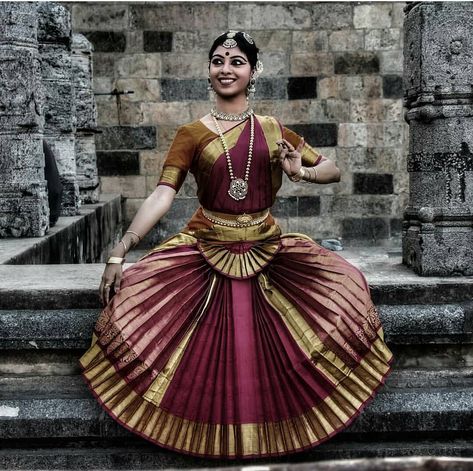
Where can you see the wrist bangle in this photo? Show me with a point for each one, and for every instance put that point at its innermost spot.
(116, 260)
(124, 245)
(298, 176)
(133, 232)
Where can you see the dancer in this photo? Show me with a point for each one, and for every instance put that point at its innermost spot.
(231, 339)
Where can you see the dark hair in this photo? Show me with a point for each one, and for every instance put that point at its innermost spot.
(245, 46)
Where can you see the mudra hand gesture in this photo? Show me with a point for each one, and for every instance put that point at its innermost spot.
(290, 157)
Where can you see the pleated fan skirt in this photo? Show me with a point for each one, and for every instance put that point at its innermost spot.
(212, 365)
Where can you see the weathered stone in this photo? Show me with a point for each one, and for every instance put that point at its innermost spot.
(301, 87)
(392, 86)
(356, 63)
(320, 134)
(373, 183)
(134, 65)
(270, 40)
(306, 64)
(362, 111)
(373, 15)
(118, 163)
(365, 86)
(367, 229)
(332, 15)
(151, 162)
(182, 90)
(157, 41)
(352, 135)
(129, 187)
(265, 16)
(271, 88)
(437, 232)
(173, 113)
(103, 16)
(86, 119)
(184, 66)
(144, 89)
(55, 37)
(382, 39)
(23, 200)
(106, 41)
(309, 41)
(275, 63)
(346, 40)
(125, 137)
(390, 62)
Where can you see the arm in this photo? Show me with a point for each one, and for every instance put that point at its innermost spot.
(151, 211)
(324, 171)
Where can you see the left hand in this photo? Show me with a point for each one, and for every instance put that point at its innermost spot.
(290, 157)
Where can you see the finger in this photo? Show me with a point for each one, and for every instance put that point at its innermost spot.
(288, 145)
(301, 145)
(118, 279)
(107, 294)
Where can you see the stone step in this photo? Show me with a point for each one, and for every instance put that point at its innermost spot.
(86, 456)
(63, 408)
(412, 324)
(76, 286)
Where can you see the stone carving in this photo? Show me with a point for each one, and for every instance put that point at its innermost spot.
(23, 199)
(86, 119)
(438, 93)
(55, 38)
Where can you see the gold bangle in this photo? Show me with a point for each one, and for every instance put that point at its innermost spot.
(124, 245)
(133, 232)
(298, 176)
(116, 260)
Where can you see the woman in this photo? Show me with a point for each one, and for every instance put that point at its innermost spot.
(230, 339)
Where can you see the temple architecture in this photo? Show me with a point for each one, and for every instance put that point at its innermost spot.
(437, 234)
(46, 93)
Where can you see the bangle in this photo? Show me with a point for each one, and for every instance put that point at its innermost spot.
(298, 176)
(124, 245)
(116, 260)
(137, 235)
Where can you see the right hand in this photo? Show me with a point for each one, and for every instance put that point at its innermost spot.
(111, 278)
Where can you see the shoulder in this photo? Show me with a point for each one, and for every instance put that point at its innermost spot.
(269, 123)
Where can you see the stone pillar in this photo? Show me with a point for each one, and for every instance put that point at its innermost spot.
(23, 199)
(438, 95)
(55, 38)
(86, 119)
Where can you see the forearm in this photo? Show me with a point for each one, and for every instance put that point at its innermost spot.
(325, 172)
(150, 212)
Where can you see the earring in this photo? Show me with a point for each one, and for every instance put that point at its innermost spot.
(251, 89)
(209, 85)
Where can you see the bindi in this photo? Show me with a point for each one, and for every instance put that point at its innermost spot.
(227, 53)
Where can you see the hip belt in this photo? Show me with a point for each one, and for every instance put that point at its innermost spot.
(235, 220)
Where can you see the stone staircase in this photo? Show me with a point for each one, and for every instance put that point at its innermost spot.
(49, 420)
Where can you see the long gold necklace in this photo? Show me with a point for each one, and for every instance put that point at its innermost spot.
(238, 186)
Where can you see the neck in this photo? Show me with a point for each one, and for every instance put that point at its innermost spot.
(233, 105)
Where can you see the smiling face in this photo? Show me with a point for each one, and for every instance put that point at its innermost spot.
(230, 71)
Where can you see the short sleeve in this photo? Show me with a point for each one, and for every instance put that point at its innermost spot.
(310, 156)
(178, 159)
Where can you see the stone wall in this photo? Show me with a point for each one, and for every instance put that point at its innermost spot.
(333, 72)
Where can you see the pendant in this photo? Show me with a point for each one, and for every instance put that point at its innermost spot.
(238, 189)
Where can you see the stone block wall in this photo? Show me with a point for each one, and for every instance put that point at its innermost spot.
(333, 73)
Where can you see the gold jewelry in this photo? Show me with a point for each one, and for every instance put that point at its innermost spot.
(299, 175)
(124, 245)
(238, 186)
(241, 220)
(116, 260)
(133, 232)
(107, 285)
(231, 116)
(229, 43)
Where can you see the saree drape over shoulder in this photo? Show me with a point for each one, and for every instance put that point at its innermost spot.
(237, 342)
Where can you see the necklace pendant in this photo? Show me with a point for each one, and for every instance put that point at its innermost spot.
(238, 189)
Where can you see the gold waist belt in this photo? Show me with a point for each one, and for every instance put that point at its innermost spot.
(236, 220)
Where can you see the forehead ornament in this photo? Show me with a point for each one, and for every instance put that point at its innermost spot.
(248, 38)
(229, 43)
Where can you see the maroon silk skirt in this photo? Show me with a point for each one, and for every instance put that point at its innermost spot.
(238, 343)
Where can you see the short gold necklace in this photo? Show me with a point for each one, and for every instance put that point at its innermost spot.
(238, 186)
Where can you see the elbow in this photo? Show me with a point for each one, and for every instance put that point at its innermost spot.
(337, 175)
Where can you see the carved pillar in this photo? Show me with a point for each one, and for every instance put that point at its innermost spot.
(23, 200)
(55, 37)
(86, 119)
(438, 95)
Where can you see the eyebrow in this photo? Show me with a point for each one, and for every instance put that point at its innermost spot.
(231, 57)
